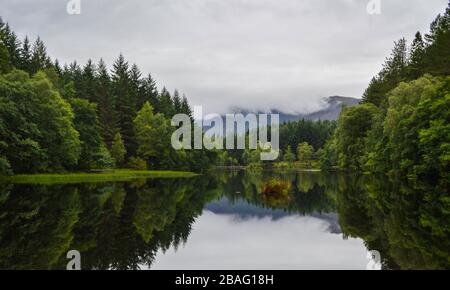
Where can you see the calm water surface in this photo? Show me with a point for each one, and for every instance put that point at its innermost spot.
(226, 220)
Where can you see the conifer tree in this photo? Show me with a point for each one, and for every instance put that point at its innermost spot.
(125, 107)
(105, 104)
(87, 86)
(25, 55)
(12, 43)
(4, 55)
(185, 108)
(416, 55)
(177, 102)
(149, 93)
(165, 104)
(39, 57)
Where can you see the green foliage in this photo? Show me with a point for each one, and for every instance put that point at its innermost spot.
(152, 133)
(411, 137)
(352, 129)
(103, 159)
(37, 125)
(288, 156)
(86, 123)
(118, 150)
(304, 152)
(137, 163)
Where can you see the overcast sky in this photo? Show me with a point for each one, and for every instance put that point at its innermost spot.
(257, 54)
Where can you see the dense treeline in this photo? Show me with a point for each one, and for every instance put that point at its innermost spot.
(293, 135)
(402, 124)
(55, 118)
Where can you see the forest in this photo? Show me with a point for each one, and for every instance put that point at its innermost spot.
(402, 124)
(57, 118)
(64, 118)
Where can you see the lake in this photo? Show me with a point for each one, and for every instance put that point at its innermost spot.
(227, 220)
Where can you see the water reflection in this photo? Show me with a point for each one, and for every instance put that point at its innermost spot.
(226, 220)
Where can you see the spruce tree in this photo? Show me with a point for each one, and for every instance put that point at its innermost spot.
(416, 55)
(185, 108)
(13, 44)
(87, 86)
(25, 55)
(135, 84)
(177, 102)
(165, 104)
(4, 55)
(39, 57)
(149, 93)
(125, 107)
(105, 104)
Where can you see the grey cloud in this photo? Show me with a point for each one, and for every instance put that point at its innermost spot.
(259, 54)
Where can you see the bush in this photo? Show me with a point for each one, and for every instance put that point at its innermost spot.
(137, 163)
(103, 159)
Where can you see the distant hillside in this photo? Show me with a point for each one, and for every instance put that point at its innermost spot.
(331, 110)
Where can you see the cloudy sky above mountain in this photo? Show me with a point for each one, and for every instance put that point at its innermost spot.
(258, 54)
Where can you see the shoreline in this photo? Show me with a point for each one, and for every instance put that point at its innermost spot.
(90, 177)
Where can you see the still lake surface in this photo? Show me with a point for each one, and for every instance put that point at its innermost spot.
(227, 220)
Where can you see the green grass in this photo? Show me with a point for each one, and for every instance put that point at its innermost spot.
(107, 176)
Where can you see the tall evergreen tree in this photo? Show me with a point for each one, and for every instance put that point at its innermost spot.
(12, 43)
(87, 86)
(135, 84)
(436, 59)
(165, 104)
(416, 55)
(149, 93)
(4, 55)
(125, 107)
(177, 102)
(25, 55)
(185, 108)
(39, 57)
(106, 104)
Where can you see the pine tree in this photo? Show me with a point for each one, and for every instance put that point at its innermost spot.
(13, 44)
(39, 57)
(87, 86)
(437, 53)
(165, 104)
(149, 93)
(75, 75)
(125, 107)
(25, 55)
(393, 72)
(57, 68)
(135, 84)
(177, 102)
(416, 55)
(105, 104)
(4, 55)
(185, 108)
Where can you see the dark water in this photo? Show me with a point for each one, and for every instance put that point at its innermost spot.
(227, 220)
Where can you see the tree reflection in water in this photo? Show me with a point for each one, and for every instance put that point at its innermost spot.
(123, 225)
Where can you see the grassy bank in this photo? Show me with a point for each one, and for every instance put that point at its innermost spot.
(113, 175)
